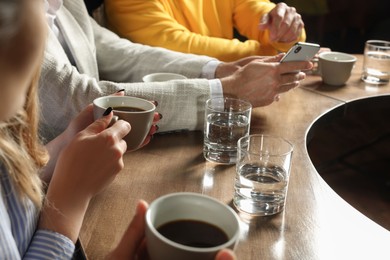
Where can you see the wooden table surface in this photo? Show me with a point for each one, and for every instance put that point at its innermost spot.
(316, 223)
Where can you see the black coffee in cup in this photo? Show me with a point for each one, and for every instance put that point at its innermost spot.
(128, 109)
(193, 233)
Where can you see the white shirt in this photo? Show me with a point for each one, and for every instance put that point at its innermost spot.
(51, 8)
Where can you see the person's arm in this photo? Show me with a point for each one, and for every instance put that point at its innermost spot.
(19, 237)
(64, 91)
(55, 146)
(48, 243)
(43, 243)
(85, 167)
(121, 60)
(149, 23)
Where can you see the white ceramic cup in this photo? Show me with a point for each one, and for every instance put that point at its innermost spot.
(140, 121)
(160, 77)
(335, 67)
(188, 206)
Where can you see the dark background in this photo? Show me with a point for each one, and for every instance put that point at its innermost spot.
(344, 25)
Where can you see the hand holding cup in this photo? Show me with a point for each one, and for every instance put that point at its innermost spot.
(138, 112)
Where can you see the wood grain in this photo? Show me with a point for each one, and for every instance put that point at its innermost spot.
(316, 223)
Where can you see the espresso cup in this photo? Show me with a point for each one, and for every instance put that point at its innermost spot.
(138, 112)
(160, 77)
(335, 67)
(189, 226)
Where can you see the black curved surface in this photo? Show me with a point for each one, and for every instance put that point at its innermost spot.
(350, 148)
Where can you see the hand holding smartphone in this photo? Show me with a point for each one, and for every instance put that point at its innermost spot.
(301, 51)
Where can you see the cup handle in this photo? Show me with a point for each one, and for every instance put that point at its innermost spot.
(113, 121)
(316, 66)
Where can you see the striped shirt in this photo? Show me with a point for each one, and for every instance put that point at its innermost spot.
(19, 236)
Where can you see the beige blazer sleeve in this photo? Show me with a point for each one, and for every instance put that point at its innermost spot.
(105, 64)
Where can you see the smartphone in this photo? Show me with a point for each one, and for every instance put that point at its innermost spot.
(301, 51)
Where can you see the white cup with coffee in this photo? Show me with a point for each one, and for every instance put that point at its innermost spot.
(189, 226)
(335, 67)
(137, 111)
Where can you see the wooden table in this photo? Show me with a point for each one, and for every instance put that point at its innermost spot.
(316, 223)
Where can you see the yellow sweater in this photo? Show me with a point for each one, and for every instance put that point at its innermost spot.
(195, 26)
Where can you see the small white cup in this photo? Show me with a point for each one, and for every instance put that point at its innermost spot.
(335, 67)
(194, 207)
(160, 77)
(140, 121)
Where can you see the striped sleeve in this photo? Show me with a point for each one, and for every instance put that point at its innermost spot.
(47, 244)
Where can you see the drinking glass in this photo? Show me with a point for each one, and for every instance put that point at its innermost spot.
(226, 121)
(262, 174)
(376, 64)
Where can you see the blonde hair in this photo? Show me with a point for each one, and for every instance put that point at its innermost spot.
(21, 152)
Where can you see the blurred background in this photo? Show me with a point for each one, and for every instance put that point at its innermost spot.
(344, 25)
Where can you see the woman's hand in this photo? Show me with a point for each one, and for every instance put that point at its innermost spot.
(93, 157)
(85, 167)
(54, 147)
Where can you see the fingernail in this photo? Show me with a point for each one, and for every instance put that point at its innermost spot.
(138, 209)
(108, 111)
(160, 115)
(120, 90)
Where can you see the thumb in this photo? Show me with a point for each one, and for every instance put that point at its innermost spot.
(225, 254)
(275, 58)
(134, 236)
(102, 123)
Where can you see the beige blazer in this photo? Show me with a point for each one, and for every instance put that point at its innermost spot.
(104, 64)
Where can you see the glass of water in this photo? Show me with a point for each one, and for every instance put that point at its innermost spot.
(376, 64)
(226, 121)
(262, 174)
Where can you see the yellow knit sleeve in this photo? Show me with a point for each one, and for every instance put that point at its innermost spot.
(152, 23)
